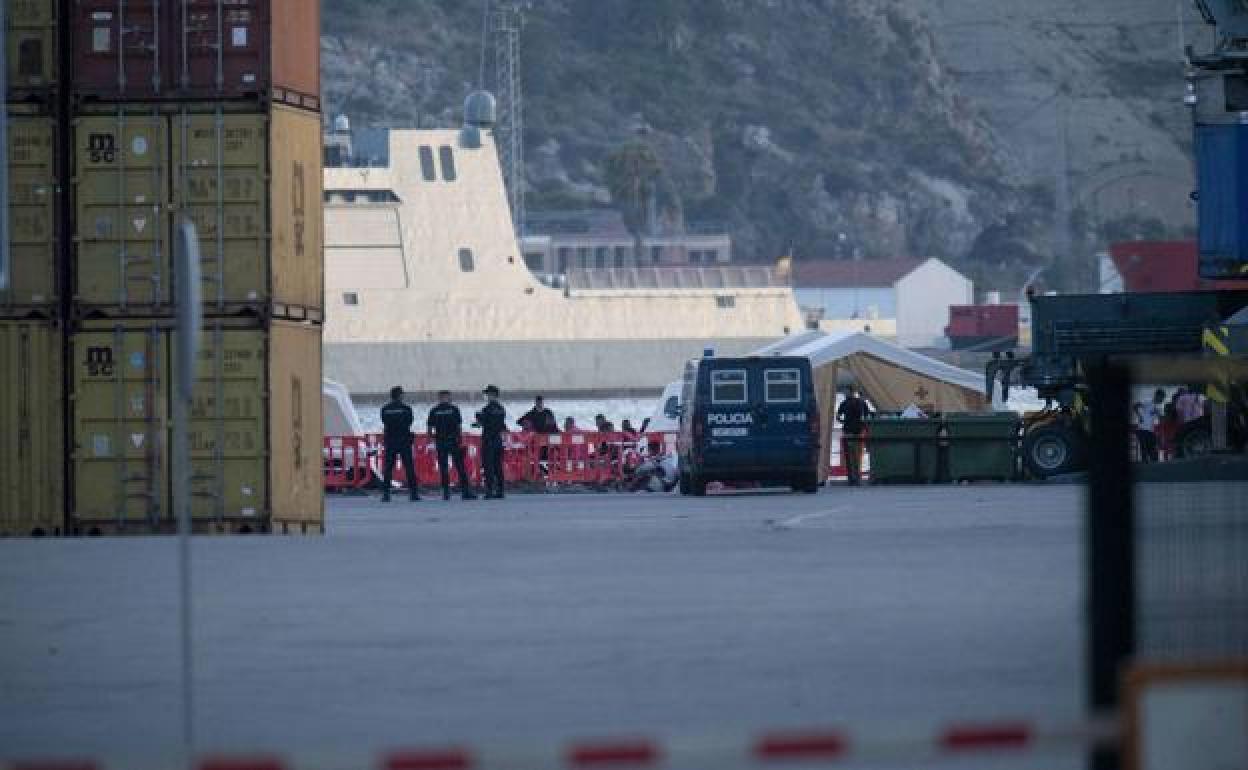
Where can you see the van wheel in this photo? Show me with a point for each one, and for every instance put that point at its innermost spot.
(810, 483)
(684, 484)
(806, 482)
(697, 485)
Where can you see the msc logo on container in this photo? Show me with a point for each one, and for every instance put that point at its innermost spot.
(99, 362)
(102, 148)
(736, 418)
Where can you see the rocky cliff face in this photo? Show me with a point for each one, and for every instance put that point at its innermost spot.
(826, 128)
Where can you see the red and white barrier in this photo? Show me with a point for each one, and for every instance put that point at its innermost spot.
(586, 458)
(832, 747)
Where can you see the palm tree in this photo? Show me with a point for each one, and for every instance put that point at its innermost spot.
(633, 172)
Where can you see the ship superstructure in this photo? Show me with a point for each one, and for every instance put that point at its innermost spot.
(426, 287)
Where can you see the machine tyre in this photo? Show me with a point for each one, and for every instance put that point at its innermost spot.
(1053, 449)
(1194, 439)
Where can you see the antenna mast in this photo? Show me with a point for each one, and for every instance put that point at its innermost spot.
(508, 20)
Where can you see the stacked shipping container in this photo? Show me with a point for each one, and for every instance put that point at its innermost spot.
(193, 109)
(32, 406)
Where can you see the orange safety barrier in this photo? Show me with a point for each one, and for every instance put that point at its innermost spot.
(548, 460)
(587, 458)
(346, 461)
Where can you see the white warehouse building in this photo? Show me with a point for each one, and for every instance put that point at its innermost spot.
(907, 299)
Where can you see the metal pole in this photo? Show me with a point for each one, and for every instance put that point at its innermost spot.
(1109, 547)
(4, 154)
(186, 278)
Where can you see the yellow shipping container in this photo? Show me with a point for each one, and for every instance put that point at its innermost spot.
(30, 45)
(32, 212)
(251, 183)
(255, 431)
(31, 421)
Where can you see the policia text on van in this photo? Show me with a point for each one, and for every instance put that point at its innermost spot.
(749, 419)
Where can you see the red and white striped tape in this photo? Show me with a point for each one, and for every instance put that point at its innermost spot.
(819, 746)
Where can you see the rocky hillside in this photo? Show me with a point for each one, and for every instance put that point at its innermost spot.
(822, 127)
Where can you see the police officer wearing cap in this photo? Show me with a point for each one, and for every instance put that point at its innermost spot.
(493, 421)
(444, 424)
(397, 418)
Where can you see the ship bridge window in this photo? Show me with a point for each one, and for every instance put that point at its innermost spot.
(725, 301)
(426, 163)
(447, 157)
(360, 196)
(350, 298)
(465, 260)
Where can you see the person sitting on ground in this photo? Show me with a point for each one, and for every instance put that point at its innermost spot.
(630, 433)
(570, 426)
(603, 425)
(657, 472)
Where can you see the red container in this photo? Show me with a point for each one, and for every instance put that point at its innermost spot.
(135, 50)
(987, 327)
(1162, 266)
(963, 322)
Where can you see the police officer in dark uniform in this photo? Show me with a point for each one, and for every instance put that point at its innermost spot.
(853, 413)
(493, 421)
(445, 424)
(397, 418)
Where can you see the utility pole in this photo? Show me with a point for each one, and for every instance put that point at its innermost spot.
(508, 21)
(4, 153)
(1061, 194)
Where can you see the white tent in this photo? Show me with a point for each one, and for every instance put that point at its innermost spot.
(340, 416)
(825, 349)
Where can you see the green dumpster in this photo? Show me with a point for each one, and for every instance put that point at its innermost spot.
(982, 445)
(903, 449)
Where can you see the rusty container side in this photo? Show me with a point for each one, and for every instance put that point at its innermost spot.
(121, 226)
(120, 50)
(297, 261)
(31, 415)
(222, 49)
(120, 420)
(30, 47)
(33, 205)
(295, 428)
(296, 52)
(198, 50)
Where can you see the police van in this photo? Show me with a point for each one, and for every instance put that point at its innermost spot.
(748, 419)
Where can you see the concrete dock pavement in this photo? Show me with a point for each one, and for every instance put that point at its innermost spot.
(556, 616)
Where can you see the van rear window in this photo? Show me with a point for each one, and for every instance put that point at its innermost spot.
(728, 386)
(782, 386)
